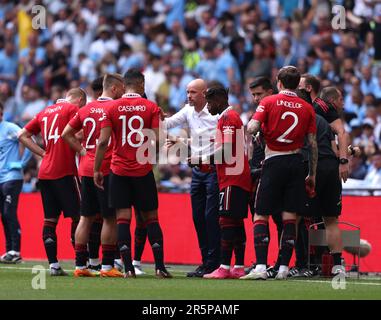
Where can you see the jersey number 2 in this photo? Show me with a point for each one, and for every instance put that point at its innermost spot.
(292, 127)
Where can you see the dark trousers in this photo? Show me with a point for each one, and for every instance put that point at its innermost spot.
(204, 197)
(9, 198)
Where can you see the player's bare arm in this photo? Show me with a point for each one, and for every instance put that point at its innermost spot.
(338, 128)
(25, 137)
(253, 127)
(69, 135)
(310, 180)
(100, 154)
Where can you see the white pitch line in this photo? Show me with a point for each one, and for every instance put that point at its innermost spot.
(313, 281)
(27, 268)
(349, 283)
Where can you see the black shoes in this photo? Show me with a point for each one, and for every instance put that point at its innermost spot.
(271, 273)
(201, 270)
(94, 268)
(9, 258)
(163, 274)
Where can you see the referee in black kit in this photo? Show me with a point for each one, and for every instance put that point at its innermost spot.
(326, 202)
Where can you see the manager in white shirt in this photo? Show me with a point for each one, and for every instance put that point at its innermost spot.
(204, 188)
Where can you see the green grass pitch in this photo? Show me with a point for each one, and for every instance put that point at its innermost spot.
(16, 283)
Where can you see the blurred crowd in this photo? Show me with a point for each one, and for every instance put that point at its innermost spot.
(174, 41)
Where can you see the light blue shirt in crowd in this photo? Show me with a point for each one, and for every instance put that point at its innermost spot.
(8, 64)
(11, 164)
(176, 13)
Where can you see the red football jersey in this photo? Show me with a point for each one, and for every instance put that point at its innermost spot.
(87, 119)
(59, 160)
(128, 117)
(228, 127)
(286, 119)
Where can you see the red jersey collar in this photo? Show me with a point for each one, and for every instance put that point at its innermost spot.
(288, 93)
(131, 95)
(104, 99)
(223, 112)
(61, 101)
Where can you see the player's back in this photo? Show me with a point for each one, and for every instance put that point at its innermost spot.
(287, 121)
(59, 159)
(88, 118)
(130, 116)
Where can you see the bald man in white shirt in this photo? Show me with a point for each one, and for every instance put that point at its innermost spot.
(204, 188)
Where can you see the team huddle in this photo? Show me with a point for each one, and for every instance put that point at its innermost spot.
(295, 173)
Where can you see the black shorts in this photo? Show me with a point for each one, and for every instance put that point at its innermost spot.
(95, 200)
(60, 195)
(327, 202)
(234, 202)
(282, 185)
(139, 192)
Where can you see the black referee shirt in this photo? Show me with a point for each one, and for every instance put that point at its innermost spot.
(326, 110)
(324, 136)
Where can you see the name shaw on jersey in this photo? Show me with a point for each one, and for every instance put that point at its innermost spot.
(96, 110)
(140, 108)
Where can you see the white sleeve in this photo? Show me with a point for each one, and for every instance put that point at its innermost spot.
(178, 119)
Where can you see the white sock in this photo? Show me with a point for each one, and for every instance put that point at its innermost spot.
(136, 263)
(283, 268)
(55, 265)
(106, 267)
(14, 253)
(224, 266)
(260, 268)
(118, 261)
(94, 262)
(237, 266)
(80, 267)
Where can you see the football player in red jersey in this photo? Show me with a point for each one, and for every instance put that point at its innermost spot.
(94, 200)
(131, 181)
(234, 182)
(285, 120)
(58, 179)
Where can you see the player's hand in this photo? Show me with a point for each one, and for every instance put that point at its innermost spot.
(255, 174)
(344, 171)
(83, 152)
(163, 115)
(310, 186)
(169, 142)
(356, 151)
(98, 179)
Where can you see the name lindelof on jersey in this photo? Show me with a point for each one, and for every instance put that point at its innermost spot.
(288, 104)
(54, 109)
(140, 108)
